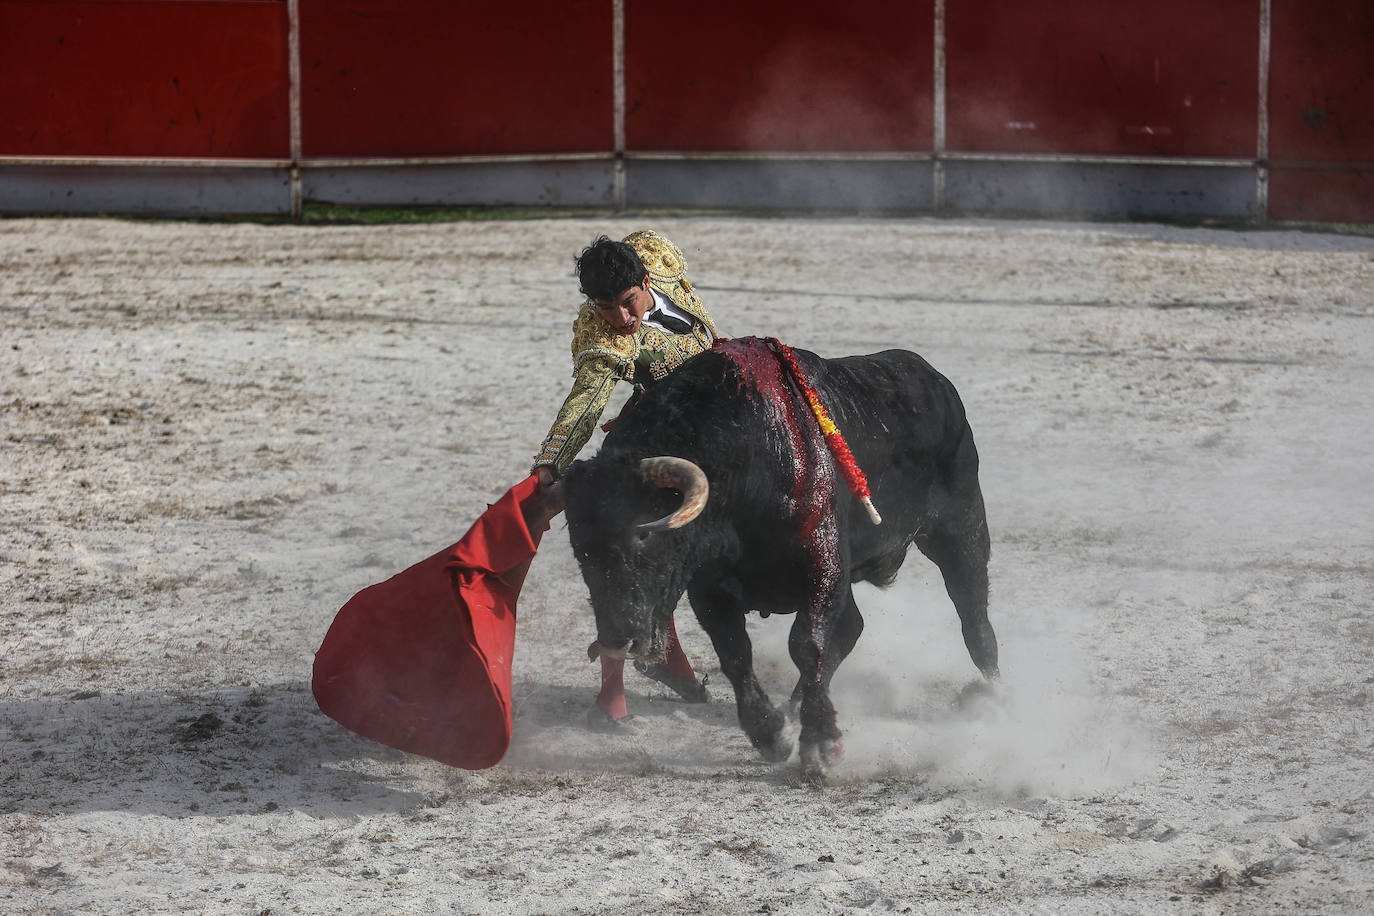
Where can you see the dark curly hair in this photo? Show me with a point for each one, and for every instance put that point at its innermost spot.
(607, 268)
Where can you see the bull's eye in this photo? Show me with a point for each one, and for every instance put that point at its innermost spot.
(641, 536)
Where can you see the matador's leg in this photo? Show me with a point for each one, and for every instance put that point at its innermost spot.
(612, 696)
(675, 672)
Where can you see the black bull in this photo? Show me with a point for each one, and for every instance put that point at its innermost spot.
(780, 532)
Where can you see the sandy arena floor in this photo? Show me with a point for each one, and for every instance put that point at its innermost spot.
(212, 435)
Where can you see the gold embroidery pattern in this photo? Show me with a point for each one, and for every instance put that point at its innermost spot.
(654, 339)
(671, 360)
(662, 259)
(594, 353)
(680, 349)
(592, 333)
(576, 420)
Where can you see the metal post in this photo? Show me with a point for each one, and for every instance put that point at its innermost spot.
(293, 15)
(618, 97)
(938, 167)
(1262, 145)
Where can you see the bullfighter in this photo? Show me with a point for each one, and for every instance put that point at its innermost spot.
(640, 321)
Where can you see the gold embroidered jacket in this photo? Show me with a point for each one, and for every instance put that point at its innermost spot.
(602, 356)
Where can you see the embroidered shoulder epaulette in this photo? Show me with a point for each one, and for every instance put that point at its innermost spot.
(662, 259)
(592, 336)
(667, 267)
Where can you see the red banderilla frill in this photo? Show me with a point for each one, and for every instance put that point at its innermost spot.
(853, 474)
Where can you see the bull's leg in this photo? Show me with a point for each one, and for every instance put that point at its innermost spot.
(722, 617)
(959, 546)
(840, 644)
(817, 648)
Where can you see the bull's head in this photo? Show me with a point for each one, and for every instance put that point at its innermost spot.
(625, 519)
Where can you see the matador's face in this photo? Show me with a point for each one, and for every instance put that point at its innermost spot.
(625, 311)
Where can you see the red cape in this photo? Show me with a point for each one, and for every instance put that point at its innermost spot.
(422, 661)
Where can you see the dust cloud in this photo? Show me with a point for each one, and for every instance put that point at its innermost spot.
(912, 705)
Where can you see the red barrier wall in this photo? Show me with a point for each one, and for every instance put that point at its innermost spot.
(432, 78)
(1323, 195)
(437, 78)
(1321, 107)
(186, 79)
(1163, 78)
(775, 75)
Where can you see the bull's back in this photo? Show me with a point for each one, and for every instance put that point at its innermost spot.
(901, 418)
(893, 407)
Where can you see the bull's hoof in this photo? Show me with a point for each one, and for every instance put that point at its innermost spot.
(774, 750)
(776, 745)
(814, 766)
(832, 750)
(983, 699)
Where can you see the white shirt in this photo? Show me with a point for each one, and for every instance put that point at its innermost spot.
(665, 304)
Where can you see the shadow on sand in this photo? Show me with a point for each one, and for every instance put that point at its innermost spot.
(225, 752)
(237, 751)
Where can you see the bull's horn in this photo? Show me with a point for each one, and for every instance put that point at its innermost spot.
(677, 474)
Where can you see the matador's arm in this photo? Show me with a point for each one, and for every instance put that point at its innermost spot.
(577, 418)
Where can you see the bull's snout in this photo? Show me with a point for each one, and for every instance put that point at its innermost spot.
(621, 649)
(600, 650)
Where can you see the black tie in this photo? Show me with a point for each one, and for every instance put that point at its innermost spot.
(673, 323)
